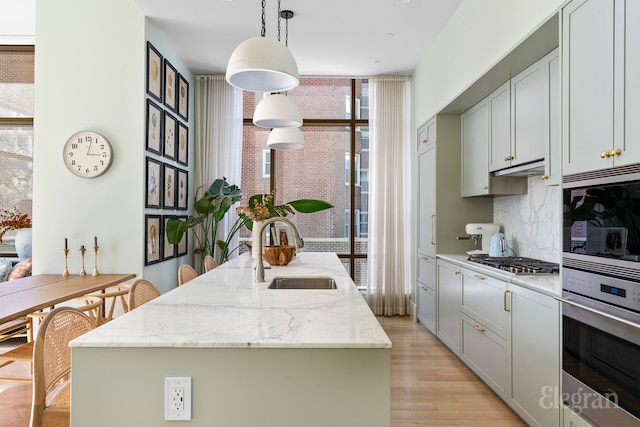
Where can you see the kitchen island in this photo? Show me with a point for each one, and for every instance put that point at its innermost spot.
(256, 356)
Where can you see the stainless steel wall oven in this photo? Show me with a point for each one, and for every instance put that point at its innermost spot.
(601, 295)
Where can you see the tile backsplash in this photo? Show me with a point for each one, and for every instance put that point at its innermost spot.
(531, 221)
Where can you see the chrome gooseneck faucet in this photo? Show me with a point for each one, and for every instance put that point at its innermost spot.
(259, 265)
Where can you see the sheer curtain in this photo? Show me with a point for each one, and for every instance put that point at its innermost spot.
(389, 258)
(218, 140)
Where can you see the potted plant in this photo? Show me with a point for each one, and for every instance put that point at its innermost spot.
(13, 220)
(210, 209)
(261, 208)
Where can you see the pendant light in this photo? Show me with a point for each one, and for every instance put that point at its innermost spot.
(285, 139)
(278, 110)
(262, 64)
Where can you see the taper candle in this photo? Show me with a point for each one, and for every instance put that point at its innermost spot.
(66, 246)
(95, 241)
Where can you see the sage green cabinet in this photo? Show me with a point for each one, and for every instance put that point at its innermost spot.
(449, 295)
(601, 92)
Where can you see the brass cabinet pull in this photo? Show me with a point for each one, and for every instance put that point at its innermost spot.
(544, 177)
(508, 158)
(424, 141)
(615, 152)
(504, 301)
(605, 154)
(485, 188)
(479, 328)
(478, 277)
(456, 272)
(433, 217)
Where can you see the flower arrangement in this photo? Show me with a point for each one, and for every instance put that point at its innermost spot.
(12, 220)
(261, 207)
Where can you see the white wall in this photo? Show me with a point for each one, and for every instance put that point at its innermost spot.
(90, 74)
(477, 36)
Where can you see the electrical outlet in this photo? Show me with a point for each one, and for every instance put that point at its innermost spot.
(177, 398)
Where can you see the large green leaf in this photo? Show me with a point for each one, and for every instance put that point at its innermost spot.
(309, 205)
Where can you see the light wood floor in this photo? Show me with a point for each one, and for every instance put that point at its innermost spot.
(429, 386)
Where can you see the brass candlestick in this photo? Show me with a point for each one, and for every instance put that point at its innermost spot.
(82, 251)
(65, 273)
(95, 261)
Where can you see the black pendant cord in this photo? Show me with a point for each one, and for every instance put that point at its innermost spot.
(279, 19)
(264, 21)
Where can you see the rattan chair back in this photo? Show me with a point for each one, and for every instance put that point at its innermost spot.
(142, 291)
(186, 273)
(209, 263)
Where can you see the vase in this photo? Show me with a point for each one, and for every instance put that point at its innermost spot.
(255, 240)
(23, 243)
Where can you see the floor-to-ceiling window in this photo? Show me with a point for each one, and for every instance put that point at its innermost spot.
(16, 132)
(333, 166)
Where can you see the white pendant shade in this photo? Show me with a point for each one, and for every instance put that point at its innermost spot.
(286, 139)
(262, 64)
(277, 111)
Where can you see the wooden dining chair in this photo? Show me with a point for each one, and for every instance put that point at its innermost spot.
(142, 291)
(17, 328)
(186, 273)
(51, 402)
(111, 297)
(209, 263)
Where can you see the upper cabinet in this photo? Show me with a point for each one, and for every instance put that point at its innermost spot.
(475, 146)
(500, 143)
(601, 101)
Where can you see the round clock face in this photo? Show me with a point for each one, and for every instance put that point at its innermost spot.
(87, 154)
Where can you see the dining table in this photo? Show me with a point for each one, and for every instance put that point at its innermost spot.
(30, 294)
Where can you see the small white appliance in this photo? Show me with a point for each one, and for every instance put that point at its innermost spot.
(482, 231)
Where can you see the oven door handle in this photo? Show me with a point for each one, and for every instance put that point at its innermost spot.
(601, 313)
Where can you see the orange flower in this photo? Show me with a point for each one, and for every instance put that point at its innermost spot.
(12, 220)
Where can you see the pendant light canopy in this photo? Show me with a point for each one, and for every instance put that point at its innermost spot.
(262, 64)
(286, 139)
(277, 111)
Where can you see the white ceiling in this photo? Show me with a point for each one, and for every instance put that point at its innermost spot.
(327, 37)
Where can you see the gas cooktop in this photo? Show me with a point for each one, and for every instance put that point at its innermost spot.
(517, 265)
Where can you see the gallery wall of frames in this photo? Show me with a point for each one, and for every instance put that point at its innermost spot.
(167, 160)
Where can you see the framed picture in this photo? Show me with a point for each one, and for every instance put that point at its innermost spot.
(170, 84)
(183, 244)
(183, 144)
(169, 136)
(154, 128)
(154, 72)
(152, 239)
(154, 184)
(168, 249)
(169, 188)
(182, 187)
(183, 97)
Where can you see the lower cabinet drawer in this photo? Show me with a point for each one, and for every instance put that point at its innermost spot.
(484, 298)
(426, 306)
(427, 270)
(487, 354)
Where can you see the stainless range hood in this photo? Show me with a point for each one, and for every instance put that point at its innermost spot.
(527, 169)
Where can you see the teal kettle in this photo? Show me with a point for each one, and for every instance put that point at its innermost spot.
(499, 246)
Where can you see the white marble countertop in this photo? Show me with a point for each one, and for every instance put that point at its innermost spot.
(225, 308)
(549, 284)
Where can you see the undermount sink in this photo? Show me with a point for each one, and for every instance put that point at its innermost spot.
(302, 283)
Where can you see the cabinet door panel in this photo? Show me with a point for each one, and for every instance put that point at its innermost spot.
(535, 355)
(487, 354)
(427, 307)
(427, 271)
(588, 43)
(500, 128)
(483, 299)
(449, 305)
(427, 201)
(528, 108)
(475, 145)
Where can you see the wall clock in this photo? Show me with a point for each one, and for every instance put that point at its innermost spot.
(87, 154)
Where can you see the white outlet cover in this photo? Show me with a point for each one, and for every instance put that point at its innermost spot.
(176, 388)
